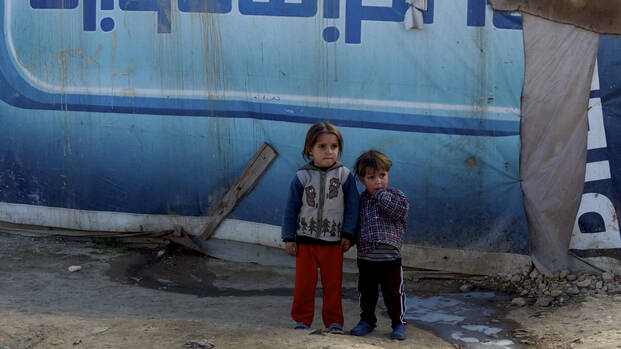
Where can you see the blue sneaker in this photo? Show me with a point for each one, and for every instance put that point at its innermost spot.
(301, 326)
(398, 332)
(361, 329)
(335, 329)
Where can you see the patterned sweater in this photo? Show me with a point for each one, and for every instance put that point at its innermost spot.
(383, 219)
(322, 206)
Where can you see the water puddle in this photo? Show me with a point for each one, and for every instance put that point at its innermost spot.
(469, 320)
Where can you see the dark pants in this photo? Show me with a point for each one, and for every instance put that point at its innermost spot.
(389, 277)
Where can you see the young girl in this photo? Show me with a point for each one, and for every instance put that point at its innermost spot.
(319, 225)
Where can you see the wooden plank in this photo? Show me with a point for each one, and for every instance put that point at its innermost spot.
(463, 261)
(244, 185)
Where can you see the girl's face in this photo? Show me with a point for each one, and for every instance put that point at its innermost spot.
(325, 151)
(375, 180)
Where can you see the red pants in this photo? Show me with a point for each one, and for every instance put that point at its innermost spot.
(329, 259)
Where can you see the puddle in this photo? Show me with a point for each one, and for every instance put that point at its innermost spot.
(205, 277)
(466, 319)
(469, 320)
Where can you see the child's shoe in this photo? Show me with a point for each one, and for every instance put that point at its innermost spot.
(398, 332)
(335, 329)
(301, 326)
(361, 329)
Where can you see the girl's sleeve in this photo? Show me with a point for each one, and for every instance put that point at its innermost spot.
(350, 216)
(292, 209)
(393, 202)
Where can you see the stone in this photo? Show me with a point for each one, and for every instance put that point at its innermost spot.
(563, 274)
(534, 274)
(543, 301)
(519, 301)
(199, 344)
(599, 285)
(98, 330)
(571, 277)
(465, 287)
(556, 293)
(607, 277)
(74, 268)
(516, 278)
(584, 283)
(572, 291)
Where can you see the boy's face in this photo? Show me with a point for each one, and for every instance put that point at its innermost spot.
(375, 180)
(325, 151)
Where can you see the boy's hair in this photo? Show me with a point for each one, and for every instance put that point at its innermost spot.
(372, 159)
(317, 130)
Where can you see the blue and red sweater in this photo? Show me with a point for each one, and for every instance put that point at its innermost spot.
(383, 219)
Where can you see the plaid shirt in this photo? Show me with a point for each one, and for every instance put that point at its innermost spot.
(383, 219)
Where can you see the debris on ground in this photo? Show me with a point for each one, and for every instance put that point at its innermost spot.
(199, 344)
(533, 287)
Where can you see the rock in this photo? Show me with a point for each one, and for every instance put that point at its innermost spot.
(524, 293)
(556, 293)
(614, 290)
(519, 301)
(563, 274)
(616, 298)
(465, 287)
(534, 274)
(571, 277)
(74, 268)
(599, 285)
(543, 301)
(98, 330)
(584, 283)
(607, 277)
(199, 344)
(516, 278)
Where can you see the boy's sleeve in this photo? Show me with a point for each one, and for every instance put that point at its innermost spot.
(393, 202)
(350, 216)
(292, 209)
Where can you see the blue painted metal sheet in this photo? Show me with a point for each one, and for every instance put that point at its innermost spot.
(597, 225)
(155, 107)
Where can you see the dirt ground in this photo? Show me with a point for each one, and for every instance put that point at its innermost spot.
(141, 299)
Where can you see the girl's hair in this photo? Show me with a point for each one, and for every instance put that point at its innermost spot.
(317, 130)
(372, 159)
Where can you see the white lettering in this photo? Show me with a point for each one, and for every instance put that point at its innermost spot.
(597, 136)
(596, 171)
(610, 238)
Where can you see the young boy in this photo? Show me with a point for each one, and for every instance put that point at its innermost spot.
(383, 214)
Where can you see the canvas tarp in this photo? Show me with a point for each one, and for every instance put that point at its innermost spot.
(559, 61)
(602, 16)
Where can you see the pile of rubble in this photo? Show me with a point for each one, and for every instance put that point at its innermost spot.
(534, 287)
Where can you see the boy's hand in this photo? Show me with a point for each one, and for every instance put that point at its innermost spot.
(345, 244)
(292, 248)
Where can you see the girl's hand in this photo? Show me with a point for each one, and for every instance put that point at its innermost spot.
(345, 244)
(292, 248)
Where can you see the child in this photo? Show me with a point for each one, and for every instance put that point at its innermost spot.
(318, 226)
(383, 213)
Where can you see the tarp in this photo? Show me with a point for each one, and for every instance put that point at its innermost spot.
(601, 16)
(559, 65)
(155, 107)
(596, 228)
